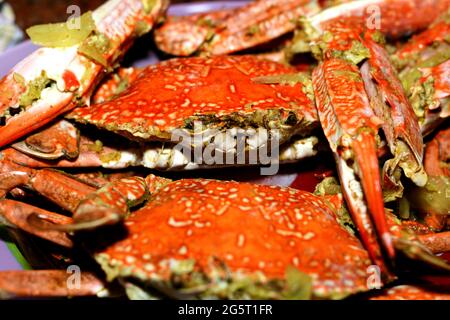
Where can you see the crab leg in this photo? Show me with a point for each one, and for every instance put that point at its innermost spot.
(111, 203)
(58, 187)
(91, 207)
(258, 22)
(183, 36)
(108, 205)
(85, 159)
(350, 126)
(437, 32)
(47, 283)
(69, 75)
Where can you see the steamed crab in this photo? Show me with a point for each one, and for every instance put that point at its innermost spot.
(177, 246)
(354, 93)
(183, 240)
(191, 100)
(208, 253)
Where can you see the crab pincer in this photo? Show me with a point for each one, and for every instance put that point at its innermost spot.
(60, 139)
(61, 75)
(400, 124)
(357, 94)
(350, 126)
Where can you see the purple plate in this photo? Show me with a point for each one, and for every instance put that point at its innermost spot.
(10, 257)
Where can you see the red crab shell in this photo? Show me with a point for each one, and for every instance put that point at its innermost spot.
(166, 95)
(252, 229)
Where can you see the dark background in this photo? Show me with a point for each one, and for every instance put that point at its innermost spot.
(31, 12)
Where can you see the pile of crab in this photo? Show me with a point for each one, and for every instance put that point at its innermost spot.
(352, 96)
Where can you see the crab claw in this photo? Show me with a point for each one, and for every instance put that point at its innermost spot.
(59, 140)
(365, 150)
(62, 139)
(358, 93)
(400, 126)
(350, 125)
(53, 80)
